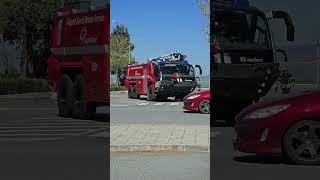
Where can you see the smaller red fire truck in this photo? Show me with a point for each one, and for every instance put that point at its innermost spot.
(162, 77)
(78, 67)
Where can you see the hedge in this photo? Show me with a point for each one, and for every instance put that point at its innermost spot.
(116, 88)
(19, 86)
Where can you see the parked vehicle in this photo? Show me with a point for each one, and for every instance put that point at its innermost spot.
(78, 67)
(244, 64)
(198, 102)
(287, 126)
(162, 77)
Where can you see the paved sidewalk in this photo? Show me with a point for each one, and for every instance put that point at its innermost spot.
(145, 137)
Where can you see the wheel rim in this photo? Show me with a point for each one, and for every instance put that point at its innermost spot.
(305, 141)
(204, 106)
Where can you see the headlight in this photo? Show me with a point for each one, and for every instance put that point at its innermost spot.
(193, 97)
(266, 112)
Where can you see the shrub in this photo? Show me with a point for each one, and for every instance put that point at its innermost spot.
(18, 86)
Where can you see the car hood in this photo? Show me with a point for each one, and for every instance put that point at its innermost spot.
(292, 99)
(201, 93)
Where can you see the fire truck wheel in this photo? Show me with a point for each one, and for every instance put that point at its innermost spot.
(130, 92)
(81, 109)
(134, 92)
(65, 96)
(150, 95)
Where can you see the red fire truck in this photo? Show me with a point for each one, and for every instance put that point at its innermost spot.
(160, 78)
(79, 63)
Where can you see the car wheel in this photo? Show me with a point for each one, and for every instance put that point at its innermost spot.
(81, 109)
(204, 106)
(65, 96)
(301, 143)
(130, 92)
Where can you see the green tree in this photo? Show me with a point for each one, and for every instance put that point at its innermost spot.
(204, 6)
(120, 48)
(26, 24)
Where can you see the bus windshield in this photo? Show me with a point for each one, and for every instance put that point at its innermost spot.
(235, 29)
(168, 69)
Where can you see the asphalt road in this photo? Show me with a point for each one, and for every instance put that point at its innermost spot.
(37, 144)
(145, 166)
(140, 111)
(160, 166)
(228, 164)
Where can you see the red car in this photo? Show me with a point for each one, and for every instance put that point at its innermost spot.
(198, 101)
(287, 126)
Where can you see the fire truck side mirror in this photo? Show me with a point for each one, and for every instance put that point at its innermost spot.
(290, 33)
(287, 19)
(200, 69)
(283, 52)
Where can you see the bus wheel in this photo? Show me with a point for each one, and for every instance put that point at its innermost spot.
(81, 109)
(65, 96)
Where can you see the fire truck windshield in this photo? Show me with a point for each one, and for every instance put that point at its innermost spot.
(239, 29)
(168, 69)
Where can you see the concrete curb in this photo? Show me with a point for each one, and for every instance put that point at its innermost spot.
(157, 148)
(118, 92)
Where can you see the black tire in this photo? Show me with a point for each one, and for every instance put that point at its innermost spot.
(130, 92)
(81, 109)
(204, 106)
(150, 95)
(161, 98)
(180, 97)
(301, 143)
(134, 92)
(65, 96)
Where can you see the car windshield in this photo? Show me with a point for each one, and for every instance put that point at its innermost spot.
(169, 69)
(240, 30)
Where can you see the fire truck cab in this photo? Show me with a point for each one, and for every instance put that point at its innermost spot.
(162, 77)
(244, 64)
(79, 62)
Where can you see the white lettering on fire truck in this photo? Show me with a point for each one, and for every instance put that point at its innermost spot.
(85, 20)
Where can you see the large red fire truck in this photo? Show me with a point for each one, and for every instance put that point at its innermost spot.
(79, 63)
(162, 77)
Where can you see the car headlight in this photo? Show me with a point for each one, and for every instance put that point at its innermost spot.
(193, 97)
(266, 112)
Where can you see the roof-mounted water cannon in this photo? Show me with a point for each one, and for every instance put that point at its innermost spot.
(170, 58)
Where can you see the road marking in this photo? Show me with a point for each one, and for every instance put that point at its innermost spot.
(159, 104)
(119, 105)
(143, 104)
(174, 104)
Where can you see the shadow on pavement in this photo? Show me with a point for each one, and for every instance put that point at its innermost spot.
(261, 159)
(101, 117)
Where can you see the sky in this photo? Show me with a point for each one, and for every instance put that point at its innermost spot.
(160, 27)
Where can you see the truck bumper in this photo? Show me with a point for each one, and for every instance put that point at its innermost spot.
(175, 89)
